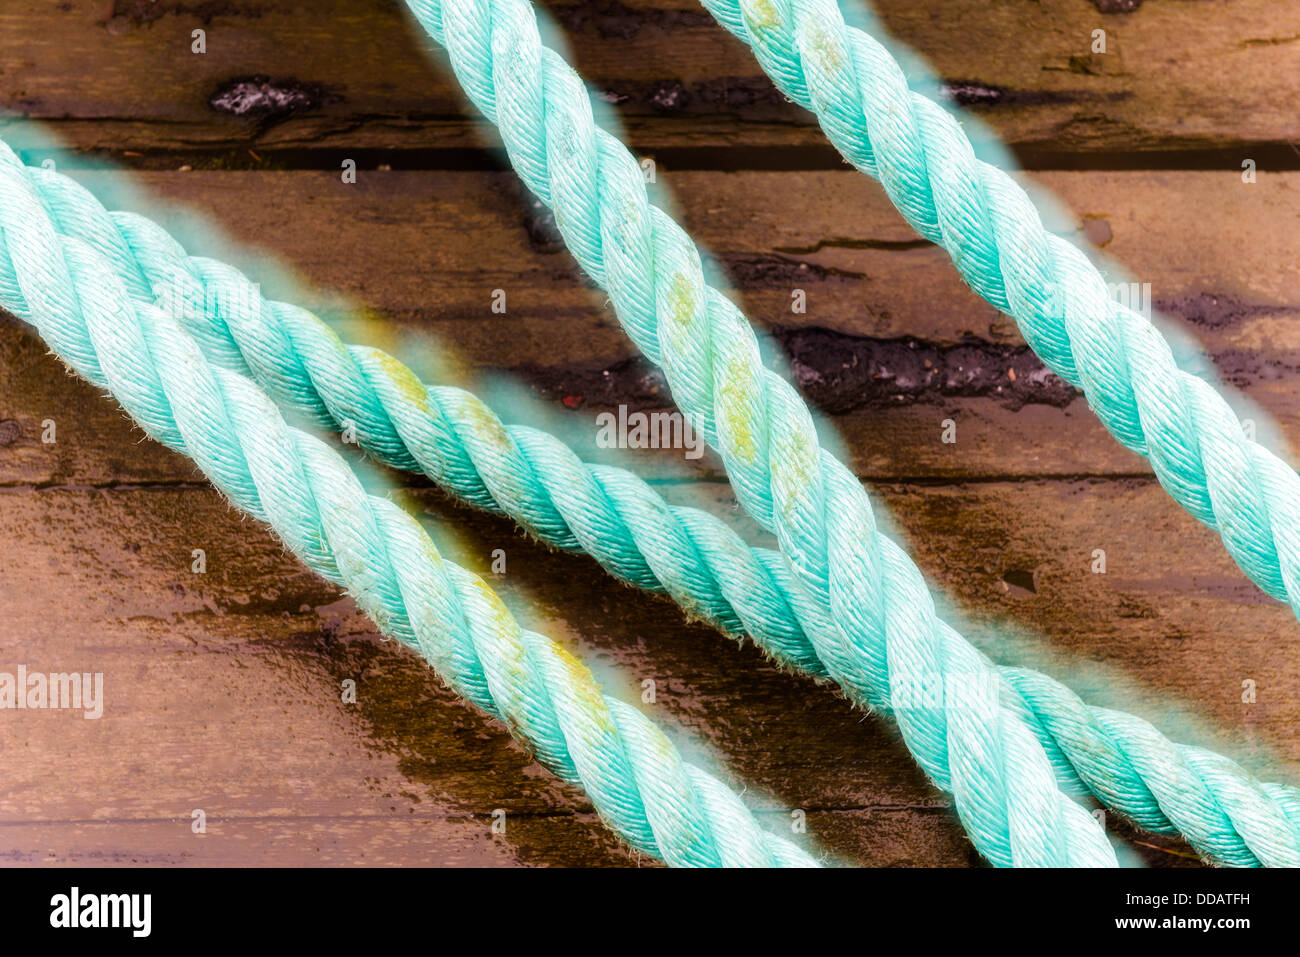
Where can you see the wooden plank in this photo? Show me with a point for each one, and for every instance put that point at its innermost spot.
(222, 690)
(424, 252)
(223, 693)
(224, 687)
(355, 75)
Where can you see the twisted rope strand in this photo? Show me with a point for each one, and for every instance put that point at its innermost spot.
(610, 513)
(547, 698)
(887, 646)
(887, 641)
(1198, 448)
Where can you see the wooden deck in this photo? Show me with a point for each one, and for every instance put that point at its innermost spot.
(223, 689)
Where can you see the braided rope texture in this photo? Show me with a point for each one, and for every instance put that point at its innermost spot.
(549, 700)
(621, 521)
(1197, 447)
(885, 644)
(886, 640)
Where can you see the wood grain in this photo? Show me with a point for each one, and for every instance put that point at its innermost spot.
(354, 74)
(425, 251)
(223, 689)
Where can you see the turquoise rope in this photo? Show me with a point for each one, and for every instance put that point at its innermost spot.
(1197, 447)
(529, 475)
(635, 777)
(887, 638)
(885, 645)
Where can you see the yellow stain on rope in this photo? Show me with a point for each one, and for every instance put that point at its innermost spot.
(737, 422)
(761, 15)
(586, 690)
(405, 380)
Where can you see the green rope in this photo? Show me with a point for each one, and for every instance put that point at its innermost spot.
(885, 639)
(304, 490)
(1197, 446)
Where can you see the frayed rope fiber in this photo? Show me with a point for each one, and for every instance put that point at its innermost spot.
(620, 520)
(633, 774)
(1198, 448)
(884, 637)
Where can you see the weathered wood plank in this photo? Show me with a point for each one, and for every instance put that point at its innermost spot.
(354, 75)
(223, 693)
(222, 689)
(424, 252)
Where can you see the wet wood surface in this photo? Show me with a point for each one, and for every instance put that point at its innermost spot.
(223, 688)
(354, 74)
